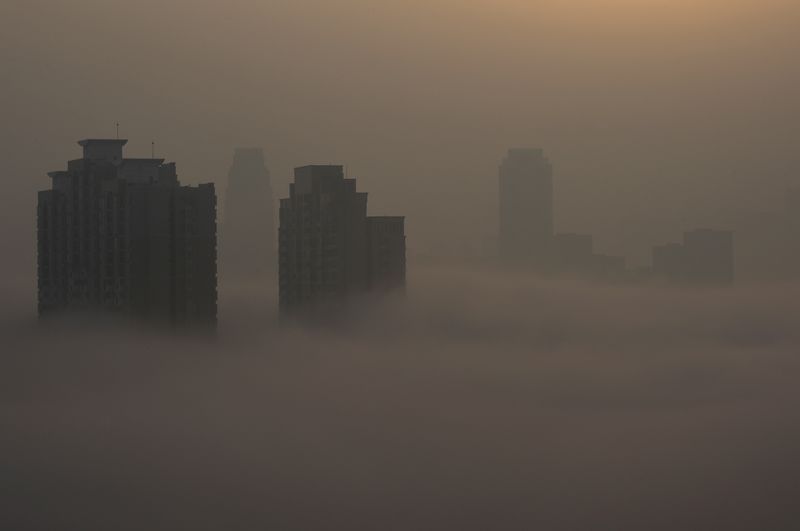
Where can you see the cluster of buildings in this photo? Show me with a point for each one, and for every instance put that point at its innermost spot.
(122, 235)
(528, 238)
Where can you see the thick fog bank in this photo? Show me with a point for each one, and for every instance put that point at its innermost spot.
(477, 401)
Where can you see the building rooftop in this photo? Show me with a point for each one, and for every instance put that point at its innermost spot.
(107, 141)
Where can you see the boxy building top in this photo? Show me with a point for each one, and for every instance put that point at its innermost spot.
(103, 149)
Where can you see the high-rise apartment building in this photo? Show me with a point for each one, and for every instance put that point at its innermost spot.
(122, 235)
(329, 247)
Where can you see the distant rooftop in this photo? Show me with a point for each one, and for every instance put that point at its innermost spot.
(107, 141)
(105, 149)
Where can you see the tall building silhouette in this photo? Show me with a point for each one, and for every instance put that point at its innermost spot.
(526, 207)
(329, 247)
(123, 235)
(706, 256)
(248, 231)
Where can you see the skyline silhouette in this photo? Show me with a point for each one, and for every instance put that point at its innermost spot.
(121, 234)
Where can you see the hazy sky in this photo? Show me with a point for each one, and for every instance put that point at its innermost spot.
(659, 115)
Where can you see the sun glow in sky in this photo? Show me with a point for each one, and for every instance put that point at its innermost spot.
(626, 11)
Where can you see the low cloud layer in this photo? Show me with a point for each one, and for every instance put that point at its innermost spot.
(480, 400)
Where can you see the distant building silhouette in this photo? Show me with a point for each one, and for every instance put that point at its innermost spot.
(526, 207)
(123, 235)
(705, 257)
(329, 247)
(248, 233)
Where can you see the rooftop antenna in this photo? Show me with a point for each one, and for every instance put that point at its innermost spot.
(153, 149)
(117, 130)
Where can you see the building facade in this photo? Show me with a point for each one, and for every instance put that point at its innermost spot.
(249, 238)
(122, 235)
(328, 247)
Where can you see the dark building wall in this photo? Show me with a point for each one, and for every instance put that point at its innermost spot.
(196, 254)
(526, 206)
(151, 250)
(72, 237)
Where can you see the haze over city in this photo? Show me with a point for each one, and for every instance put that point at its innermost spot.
(570, 300)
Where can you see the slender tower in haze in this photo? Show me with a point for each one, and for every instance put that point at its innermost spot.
(526, 207)
(249, 235)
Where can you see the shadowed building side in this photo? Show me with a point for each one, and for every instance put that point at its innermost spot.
(123, 235)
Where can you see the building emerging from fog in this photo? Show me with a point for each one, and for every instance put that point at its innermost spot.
(705, 257)
(329, 247)
(527, 233)
(248, 235)
(123, 235)
(526, 207)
